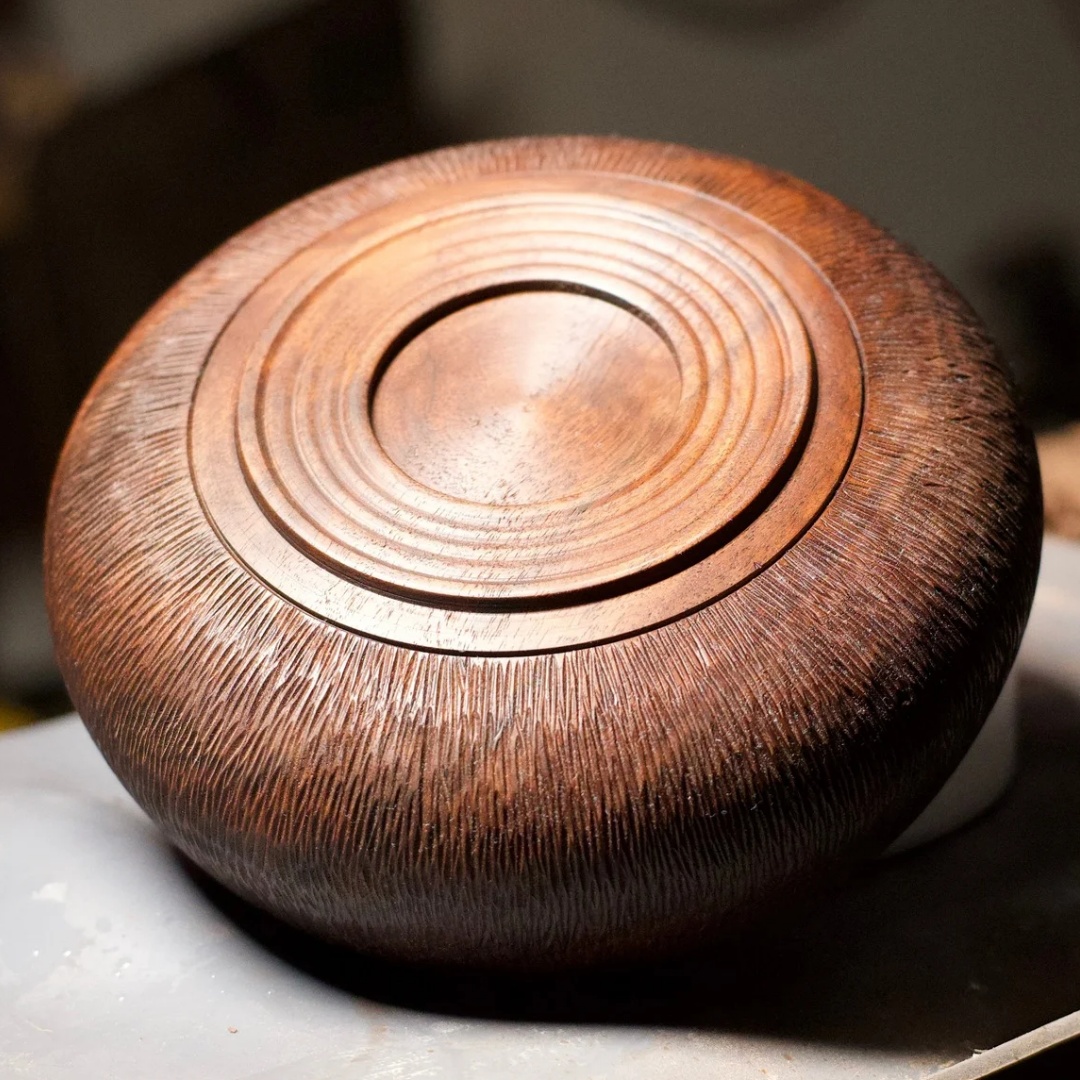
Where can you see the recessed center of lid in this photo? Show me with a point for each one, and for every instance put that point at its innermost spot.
(530, 397)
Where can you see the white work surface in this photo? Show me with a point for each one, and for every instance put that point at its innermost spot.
(118, 962)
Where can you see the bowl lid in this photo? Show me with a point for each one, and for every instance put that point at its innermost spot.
(526, 411)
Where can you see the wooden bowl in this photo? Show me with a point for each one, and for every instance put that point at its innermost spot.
(542, 552)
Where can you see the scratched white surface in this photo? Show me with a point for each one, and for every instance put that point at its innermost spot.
(114, 964)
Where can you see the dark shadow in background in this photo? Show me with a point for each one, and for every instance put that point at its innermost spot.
(950, 949)
(129, 193)
(1035, 280)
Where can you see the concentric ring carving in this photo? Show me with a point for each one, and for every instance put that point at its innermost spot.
(759, 424)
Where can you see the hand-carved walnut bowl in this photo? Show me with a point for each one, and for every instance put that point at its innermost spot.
(543, 551)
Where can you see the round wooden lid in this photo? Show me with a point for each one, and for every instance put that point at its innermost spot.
(529, 411)
(540, 551)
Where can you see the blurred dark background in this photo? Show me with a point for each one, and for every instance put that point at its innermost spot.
(136, 135)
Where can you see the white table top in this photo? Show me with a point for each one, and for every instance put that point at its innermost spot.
(117, 962)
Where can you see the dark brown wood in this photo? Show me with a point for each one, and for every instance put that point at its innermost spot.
(543, 551)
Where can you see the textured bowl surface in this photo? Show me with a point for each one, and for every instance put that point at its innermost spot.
(543, 551)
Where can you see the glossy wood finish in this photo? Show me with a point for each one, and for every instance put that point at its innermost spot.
(543, 551)
(537, 442)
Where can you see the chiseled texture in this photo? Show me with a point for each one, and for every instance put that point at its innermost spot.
(606, 801)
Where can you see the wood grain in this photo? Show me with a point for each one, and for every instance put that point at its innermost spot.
(543, 551)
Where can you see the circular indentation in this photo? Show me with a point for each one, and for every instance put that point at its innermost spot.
(503, 423)
(313, 461)
(529, 397)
